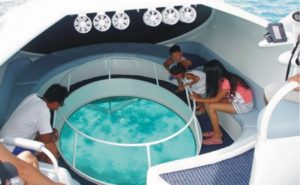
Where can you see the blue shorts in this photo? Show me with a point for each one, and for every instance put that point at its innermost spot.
(19, 150)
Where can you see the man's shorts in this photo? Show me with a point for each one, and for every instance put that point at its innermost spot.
(19, 150)
(271, 89)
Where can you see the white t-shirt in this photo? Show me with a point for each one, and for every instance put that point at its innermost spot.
(32, 116)
(200, 86)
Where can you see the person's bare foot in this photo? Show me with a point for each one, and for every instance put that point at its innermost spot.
(210, 134)
(212, 141)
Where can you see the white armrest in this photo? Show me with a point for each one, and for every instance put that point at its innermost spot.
(33, 145)
(25, 143)
(52, 171)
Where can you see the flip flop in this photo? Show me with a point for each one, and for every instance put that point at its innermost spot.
(212, 141)
(208, 134)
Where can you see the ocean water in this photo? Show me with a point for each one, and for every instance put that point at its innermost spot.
(271, 10)
(124, 120)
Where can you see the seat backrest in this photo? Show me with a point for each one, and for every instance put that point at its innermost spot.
(11, 72)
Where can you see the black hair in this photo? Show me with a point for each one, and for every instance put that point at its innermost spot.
(56, 93)
(215, 71)
(174, 48)
(177, 69)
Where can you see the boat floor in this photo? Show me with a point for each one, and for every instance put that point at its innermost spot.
(236, 170)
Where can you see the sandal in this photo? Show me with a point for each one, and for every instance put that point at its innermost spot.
(212, 141)
(208, 134)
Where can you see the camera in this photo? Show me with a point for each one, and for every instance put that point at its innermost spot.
(9, 174)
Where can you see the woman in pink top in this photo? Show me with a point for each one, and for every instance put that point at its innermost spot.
(226, 92)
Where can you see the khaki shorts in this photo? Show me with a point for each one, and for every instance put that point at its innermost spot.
(271, 89)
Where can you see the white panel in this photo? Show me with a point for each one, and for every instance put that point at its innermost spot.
(276, 162)
(88, 70)
(230, 125)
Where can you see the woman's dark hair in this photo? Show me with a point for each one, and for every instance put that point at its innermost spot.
(215, 72)
(177, 69)
(55, 93)
(174, 48)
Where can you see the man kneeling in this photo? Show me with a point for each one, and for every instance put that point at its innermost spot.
(31, 120)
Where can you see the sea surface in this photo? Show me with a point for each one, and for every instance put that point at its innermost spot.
(271, 10)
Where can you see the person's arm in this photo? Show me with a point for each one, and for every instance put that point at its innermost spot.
(186, 63)
(47, 135)
(49, 141)
(167, 63)
(220, 96)
(27, 172)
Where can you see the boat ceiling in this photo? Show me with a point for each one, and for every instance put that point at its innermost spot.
(22, 23)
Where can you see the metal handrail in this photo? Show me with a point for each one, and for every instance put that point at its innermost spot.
(147, 144)
(131, 144)
(33, 145)
(107, 65)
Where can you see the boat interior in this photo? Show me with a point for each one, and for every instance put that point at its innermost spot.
(260, 147)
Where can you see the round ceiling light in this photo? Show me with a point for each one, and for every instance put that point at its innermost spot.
(120, 20)
(170, 16)
(102, 22)
(83, 24)
(152, 17)
(187, 14)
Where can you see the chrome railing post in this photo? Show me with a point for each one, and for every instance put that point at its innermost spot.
(188, 98)
(197, 130)
(155, 73)
(69, 80)
(148, 155)
(75, 149)
(109, 67)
